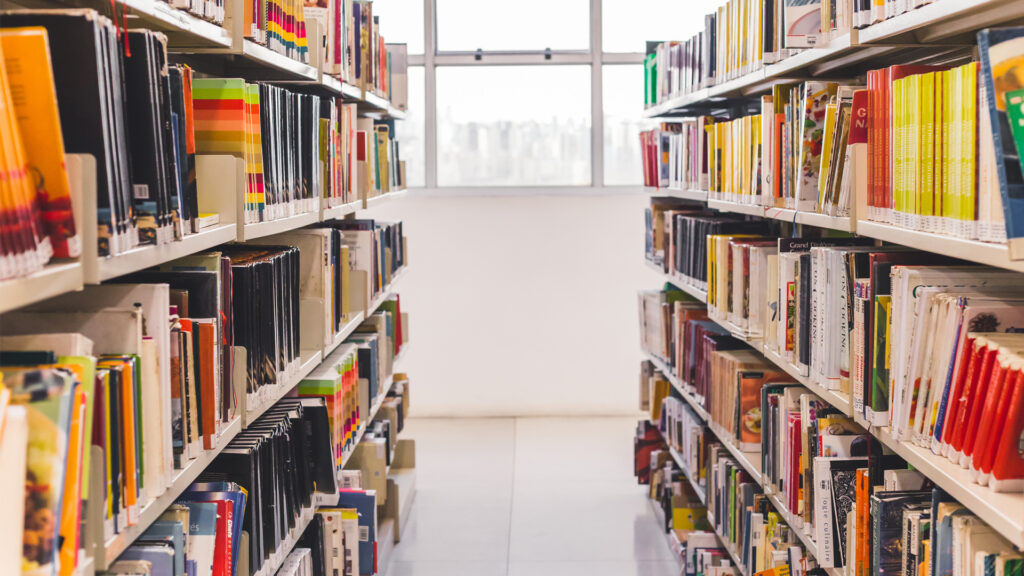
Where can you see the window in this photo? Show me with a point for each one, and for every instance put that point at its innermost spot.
(401, 21)
(626, 25)
(513, 126)
(623, 100)
(412, 130)
(468, 25)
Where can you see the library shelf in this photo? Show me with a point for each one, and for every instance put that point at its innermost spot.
(375, 102)
(941, 19)
(152, 510)
(674, 545)
(840, 223)
(261, 229)
(701, 493)
(735, 207)
(340, 88)
(344, 333)
(797, 524)
(54, 279)
(283, 65)
(272, 564)
(183, 29)
(385, 197)
(267, 396)
(340, 211)
(405, 479)
(386, 292)
(374, 408)
(395, 113)
(997, 255)
(689, 194)
(142, 257)
(837, 399)
(1003, 511)
(680, 282)
(753, 467)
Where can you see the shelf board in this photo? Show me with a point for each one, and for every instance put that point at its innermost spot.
(339, 212)
(698, 195)
(183, 29)
(749, 209)
(340, 88)
(385, 543)
(386, 197)
(680, 282)
(395, 113)
(701, 493)
(154, 508)
(938, 20)
(344, 333)
(270, 395)
(288, 67)
(272, 564)
(1003, 511)
(143, 257)
(836, 399)
(262, 229)
(997, 255)
(53, 280)
(374, 102)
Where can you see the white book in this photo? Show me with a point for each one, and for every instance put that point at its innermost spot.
(14, 455)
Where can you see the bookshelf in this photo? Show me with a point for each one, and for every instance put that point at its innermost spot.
(143, 257)
(929, 24)
(108, 551)
(943, 29)
(55, 279)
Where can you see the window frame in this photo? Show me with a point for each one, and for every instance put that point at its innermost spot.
(595, 57)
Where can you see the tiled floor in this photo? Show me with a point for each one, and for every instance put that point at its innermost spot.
(528, 497)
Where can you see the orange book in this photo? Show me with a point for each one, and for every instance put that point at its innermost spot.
(127, 408)
(26, 56)
(863, 543)
(71, 507)
(207, 381)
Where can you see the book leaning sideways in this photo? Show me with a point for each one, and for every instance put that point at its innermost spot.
(1002, 60)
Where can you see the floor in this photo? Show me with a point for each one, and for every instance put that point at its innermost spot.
(528, 497)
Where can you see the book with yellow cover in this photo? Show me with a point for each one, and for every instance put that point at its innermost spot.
(26, 57)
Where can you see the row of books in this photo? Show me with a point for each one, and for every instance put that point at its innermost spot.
(829, 481)
(886, 327)
(927, 148)
(274, 490)
(145, 122)
(742, 36)
(355, 51)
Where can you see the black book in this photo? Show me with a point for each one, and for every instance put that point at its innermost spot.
(83, 76)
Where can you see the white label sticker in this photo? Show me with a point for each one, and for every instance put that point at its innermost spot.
(141, 191)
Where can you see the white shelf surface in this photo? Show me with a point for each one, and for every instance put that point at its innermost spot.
(344, 333)
(183, 29)
(837, 399)
(271, 59)
(270, 395)
(338, 212)
(997, 255)
(143, 257)
(272, 564)
(1003, 511)
(698, 195)
(53, 280)
(154, 508)
(386, 197)
(263, 229)
(680, 282)
(340, 88)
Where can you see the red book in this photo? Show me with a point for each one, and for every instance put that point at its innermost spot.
(1008, 469)
(986, 408)
(985, 451)
(967, 367)
(222, 546)
(971, 410)
(207, 379)
(874, 146)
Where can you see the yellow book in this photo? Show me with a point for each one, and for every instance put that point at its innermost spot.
(897, 150)
(826, 147)
(947, 147)
(925, 188)
(27, 61)
(937, 149)
(956, 152)
(968, 138)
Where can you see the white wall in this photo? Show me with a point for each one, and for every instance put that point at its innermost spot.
(522, 305)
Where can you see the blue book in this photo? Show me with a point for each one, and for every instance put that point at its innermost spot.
(232, 492)
(365, 503)
(202, 533)
(1002, 49)
(166, 531)
(159, 555)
